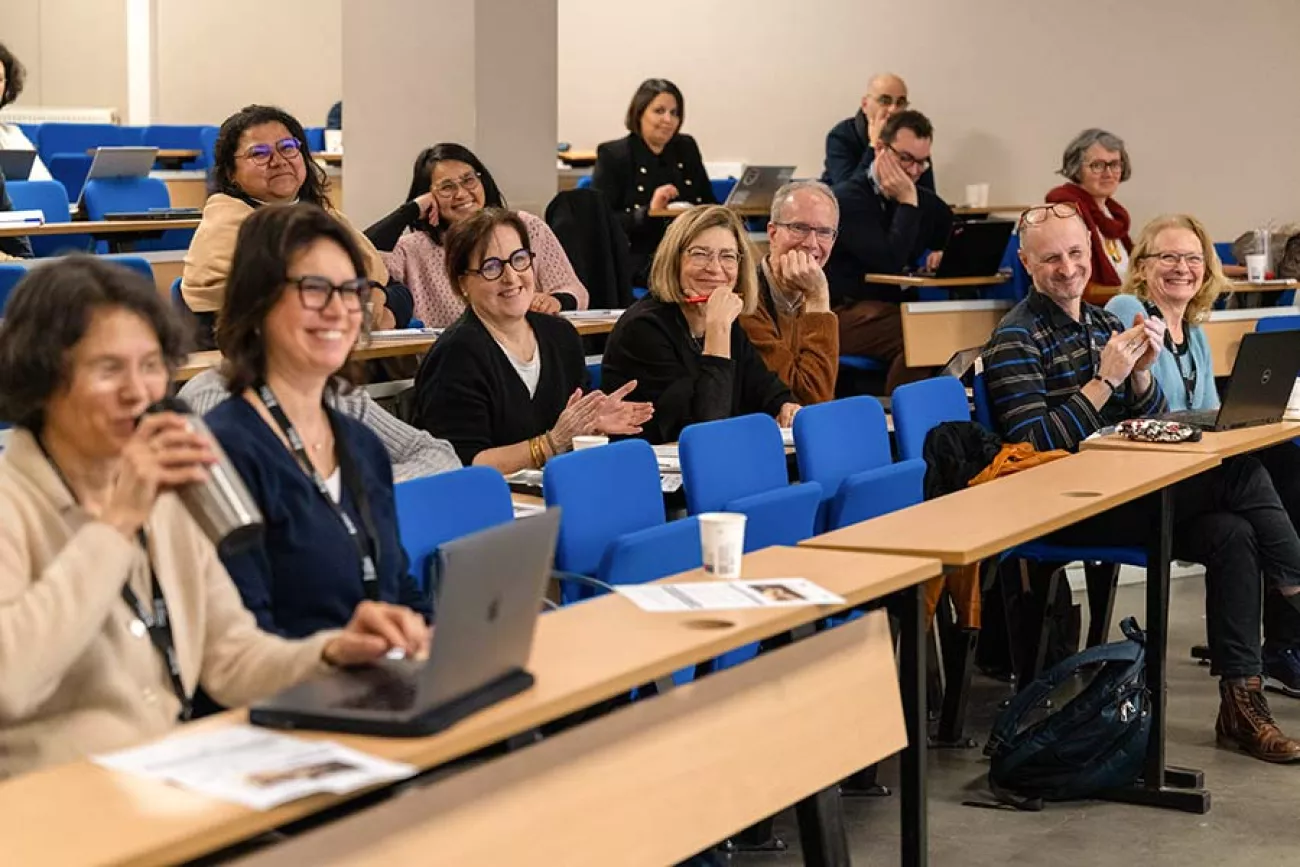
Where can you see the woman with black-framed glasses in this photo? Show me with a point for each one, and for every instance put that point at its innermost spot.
(261, 158)
(294, 310)
(505, 384)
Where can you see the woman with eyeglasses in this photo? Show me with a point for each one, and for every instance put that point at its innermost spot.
(1176, 276)
(1095, 163)
(448, 185)
(95, 544)
(261, 158)
(506, 384)
(294, 309)
(653, 167)
(682, 345)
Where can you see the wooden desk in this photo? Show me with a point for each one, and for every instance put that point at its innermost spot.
(581, 656)
(329, 159)
(577, 158)
(568, 178)
(986, 520)
(936, 282)
(99, 228)
(185, 189)
(935, 331)
(1225, 328)
(1237, 286)
(985, 210)
(651, 784)
(1226, 444)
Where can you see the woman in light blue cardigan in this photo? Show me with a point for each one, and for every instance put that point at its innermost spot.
(1176, 275)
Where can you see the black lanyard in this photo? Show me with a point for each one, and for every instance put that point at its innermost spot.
(159, 624)
(1188, 377)
(347, 470)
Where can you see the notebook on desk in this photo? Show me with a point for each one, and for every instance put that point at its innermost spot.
(974, 249)
(1263, 379)
(488, 599)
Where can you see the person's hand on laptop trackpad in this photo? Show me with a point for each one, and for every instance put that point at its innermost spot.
(376, 629)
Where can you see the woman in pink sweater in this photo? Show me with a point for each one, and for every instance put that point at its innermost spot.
(461, 186)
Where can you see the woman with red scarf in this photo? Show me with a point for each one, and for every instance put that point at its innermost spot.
(1096, 163)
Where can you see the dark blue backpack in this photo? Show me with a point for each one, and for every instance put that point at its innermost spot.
(1094, 742)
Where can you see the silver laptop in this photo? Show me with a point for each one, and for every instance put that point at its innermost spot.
(1260, 386)
(16, 165)
(120, 162)
(489, 597)
(757, 185)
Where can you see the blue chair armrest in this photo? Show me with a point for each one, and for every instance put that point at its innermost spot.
(580, 583)
(875, 492)
(652, 553)
(785, 516)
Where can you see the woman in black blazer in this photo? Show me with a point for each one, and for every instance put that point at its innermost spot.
(654, 165)
(505, 385)
(682, 342)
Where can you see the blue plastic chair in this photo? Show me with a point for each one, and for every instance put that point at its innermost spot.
(593, 376)
(1278, 323)
(178, 137)
(315, 138)
(843, 446)
(70, 170)
(208, 141)
(583, 182)
(919, 406)
(135, 263)
(1224, 249)
(722, 188)
(77, 138)
(10, 274)
(178, 299)
(33, 133)
(51, 199)
(738, 465)
(109, 195)
(435, 509)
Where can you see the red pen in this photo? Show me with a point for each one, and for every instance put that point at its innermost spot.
(697, 299)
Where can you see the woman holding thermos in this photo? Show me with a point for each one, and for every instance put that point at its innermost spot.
(114, 607)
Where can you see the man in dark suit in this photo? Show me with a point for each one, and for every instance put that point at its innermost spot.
(887, 221)
(850, 145)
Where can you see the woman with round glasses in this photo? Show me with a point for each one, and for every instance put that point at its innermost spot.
(292, 314)
(448, 185)
(506, 384)
(1095, 163)
(682, 345)
(261, 158)
(654, 165)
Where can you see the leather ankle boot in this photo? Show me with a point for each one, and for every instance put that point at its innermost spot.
(1246, 722)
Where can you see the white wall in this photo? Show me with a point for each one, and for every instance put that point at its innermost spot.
(1006, 82)
(74, 51)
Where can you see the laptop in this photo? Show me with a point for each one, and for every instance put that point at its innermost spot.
(757, 186)
(1258, 390)
(120, 162)
(16, 165)
(488, 599)
(156, 214)
(975, 249)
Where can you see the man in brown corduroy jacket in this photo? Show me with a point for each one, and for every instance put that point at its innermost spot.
(793, 327)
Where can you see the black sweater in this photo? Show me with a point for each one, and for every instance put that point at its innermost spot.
(652, 344)
(848, 153)
(467, 391)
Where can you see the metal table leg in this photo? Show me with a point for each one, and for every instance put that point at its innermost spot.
(911, 666)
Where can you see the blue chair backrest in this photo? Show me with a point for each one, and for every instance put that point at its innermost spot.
(10, 274)
(1224, 249)
(1017, 287)
(77, 138)
(51, 199)
(919, 406)
(722, 188)
(134, 136)
(604, 493)
(115, 195)
(208, 141)
(178, 298)
(652, 553)
(1278, 323)
(731, 458)
(435, 509)
(315, 138)
(583, 182)
(837, 439)
(33, 133)
(177, 137)
(135, 263)
(70, 170)
(980, 398)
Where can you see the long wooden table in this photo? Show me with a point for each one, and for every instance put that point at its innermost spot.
(912, 280)
(740, 210)
(1225, 444)
(97, 228)
(83, 814)
(970, 525)
(653, 783)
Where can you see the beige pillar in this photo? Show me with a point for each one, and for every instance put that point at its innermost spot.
(478, 72)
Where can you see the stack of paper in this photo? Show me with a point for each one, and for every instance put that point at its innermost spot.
(728, 595)
(669, 462)
(408, 333)
(30, 218)
(255, 767)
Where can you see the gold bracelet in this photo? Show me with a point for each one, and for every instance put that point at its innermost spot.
(533, 453)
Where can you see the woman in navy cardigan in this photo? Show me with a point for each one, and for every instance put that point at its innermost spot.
(293, 310)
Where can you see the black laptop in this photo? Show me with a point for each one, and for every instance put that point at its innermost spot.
(975, 249)
(1260, 386)
(489, 597)
(16, 165)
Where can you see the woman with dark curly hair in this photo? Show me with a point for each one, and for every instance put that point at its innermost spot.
(13, 75)
(261, 158)
(114, 607)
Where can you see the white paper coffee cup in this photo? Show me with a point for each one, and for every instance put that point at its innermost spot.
(1256, 265)
(722, 543)
(589, 442)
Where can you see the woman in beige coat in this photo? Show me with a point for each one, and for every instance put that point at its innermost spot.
(114, 607)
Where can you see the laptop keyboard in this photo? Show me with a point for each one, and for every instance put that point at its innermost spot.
(381, 690)
(1204, 419)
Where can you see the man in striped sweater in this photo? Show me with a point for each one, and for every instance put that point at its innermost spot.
(1059, 369)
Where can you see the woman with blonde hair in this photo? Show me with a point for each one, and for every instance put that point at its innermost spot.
(1176, 275)
(682, 343)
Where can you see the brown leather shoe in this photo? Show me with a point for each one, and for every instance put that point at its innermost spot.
(1246, 722)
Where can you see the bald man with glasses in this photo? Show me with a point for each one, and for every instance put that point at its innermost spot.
(850, 145)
